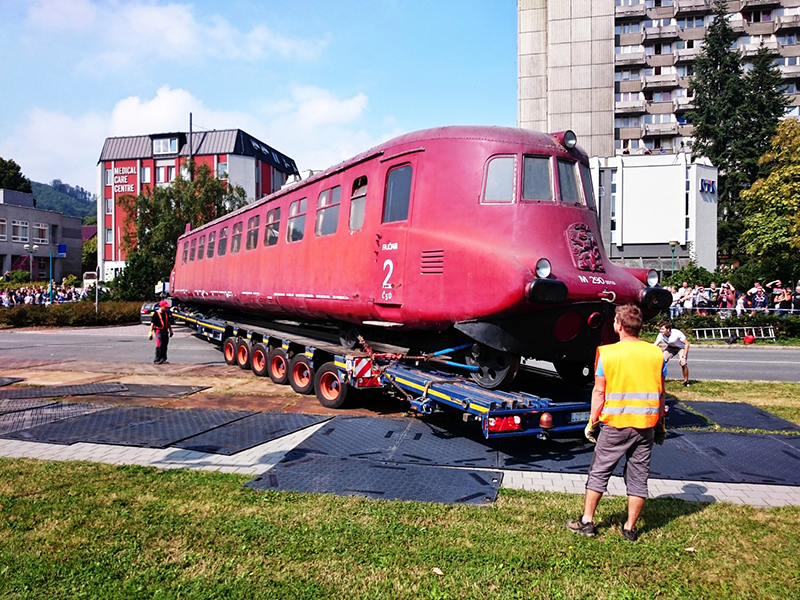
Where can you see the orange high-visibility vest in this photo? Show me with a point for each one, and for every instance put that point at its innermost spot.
(633, 384)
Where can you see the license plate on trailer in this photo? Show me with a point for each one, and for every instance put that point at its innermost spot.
(577, 417)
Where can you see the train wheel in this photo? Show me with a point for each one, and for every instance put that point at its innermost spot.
(258, 360)
(229, 350)
(574, 372)
(496, 370)
(348, 336)
(243, 354)
(330, 389)
(301, 374)
(278, 366)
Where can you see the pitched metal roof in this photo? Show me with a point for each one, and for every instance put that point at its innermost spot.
(224, 141)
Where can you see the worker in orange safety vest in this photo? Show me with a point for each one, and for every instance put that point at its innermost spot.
(628, 398)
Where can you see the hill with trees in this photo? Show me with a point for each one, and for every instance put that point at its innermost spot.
(63, 198)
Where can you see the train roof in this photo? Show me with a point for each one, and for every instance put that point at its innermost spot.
(507, 135)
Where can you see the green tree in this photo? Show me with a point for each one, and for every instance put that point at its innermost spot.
(89, 254)
(11, 177)
(137, 280)
(158, 216)
(772, 204)
(735, 114)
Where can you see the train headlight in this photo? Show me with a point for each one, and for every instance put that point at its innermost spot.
(652, 278)
(570, 139)
(543, 268)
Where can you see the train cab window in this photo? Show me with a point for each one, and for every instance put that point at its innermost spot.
(252, 232)
(236, 237)
(185, 251)
(201, 247)
(192, 250)
(212, 237)
(296, 223)
(273, 227)
(536, 184)
(500, 180)
(328, 211)
(398, 194)
(588, 191)
(222, 247)
(358, 203)
(568, 182)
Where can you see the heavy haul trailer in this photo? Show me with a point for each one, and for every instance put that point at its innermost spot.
(330, 371)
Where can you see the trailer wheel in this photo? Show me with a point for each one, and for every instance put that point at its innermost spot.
(229, 350)
(301, 374)
(330, 389)
(278, 366)
(258, 360)
(243, 354)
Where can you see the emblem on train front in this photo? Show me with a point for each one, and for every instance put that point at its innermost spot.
(585, 251)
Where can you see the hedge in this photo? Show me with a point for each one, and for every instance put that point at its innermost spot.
(71, 314)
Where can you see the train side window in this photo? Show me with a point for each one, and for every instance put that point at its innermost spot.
(588, 190)
(212, 238)
(536, 184)
(222, 247)
(358, 203)
(236, 237)
(252, 232)
(185, 251)
(398, 194)
(296, 223)
(328, 211)
(273, 227)
(192, 250)
(568, 182)
(201, 247)
(500, 180)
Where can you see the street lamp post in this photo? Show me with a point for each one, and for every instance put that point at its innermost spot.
(31, 250)
(51, 277)
(672, 246)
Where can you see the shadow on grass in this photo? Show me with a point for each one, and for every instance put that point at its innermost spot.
(659, 512)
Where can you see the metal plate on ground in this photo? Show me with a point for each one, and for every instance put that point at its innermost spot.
(740, 414)
(139, 390)
(404, 440)
(55, 391)
(378, 479)
(557, 455)
(248, 432)
(680, 418)
(680, 458)
(11, 406)
(146, 427)
(40, 415)
(9, 380)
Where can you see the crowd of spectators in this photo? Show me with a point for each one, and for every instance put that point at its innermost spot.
(726, 300)
(40, 295)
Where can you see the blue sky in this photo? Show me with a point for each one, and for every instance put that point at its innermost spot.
(319, 80)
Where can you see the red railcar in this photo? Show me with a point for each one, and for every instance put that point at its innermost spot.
(480, 234)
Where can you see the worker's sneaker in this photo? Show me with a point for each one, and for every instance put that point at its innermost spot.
(686, 384)
(630, 534)
(578, 526)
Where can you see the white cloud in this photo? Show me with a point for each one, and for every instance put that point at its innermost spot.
(62, 14)
(312, 126)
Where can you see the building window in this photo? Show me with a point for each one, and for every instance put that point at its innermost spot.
(626, 28)
(19, 231)
(273, 227)
(691, 22)
(358, 203)
(222, 170)
(223, 242)
(161, 174)
(165, 146)
(40, 231)
(201, 246)
(109, 205)
(171, 173)
(297, 220)
(236, 237)
(3, 230)
(109, 235)
(145, 174)
(186, 174)
(613, 205)
(328, 211)
(252, 232)
(500, 179)
(757, 16)
(212, 236)
(109, 177)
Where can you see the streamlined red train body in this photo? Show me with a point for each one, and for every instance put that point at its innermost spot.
(482, 234)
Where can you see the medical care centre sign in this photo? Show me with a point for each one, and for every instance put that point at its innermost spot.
(125, 180)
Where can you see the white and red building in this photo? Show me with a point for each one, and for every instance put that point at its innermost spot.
(128, 165)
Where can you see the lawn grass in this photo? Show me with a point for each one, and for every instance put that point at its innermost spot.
(779, 398)
(78, 530)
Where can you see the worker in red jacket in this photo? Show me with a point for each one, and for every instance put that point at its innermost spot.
(628, 399)
(161, 326)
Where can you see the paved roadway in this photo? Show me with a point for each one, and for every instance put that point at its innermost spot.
(129, 344)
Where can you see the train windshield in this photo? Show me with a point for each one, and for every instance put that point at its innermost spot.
(588, 189)
(568, 182)
(536, 180)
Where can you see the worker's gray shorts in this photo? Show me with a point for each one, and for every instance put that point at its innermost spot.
(612, 445)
